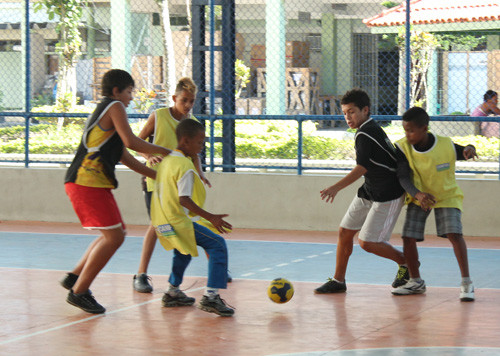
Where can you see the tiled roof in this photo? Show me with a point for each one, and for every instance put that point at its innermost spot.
(438, 11)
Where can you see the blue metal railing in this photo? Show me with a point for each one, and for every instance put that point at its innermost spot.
(267, 164)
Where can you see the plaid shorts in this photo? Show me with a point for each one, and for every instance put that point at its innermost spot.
(448, 221)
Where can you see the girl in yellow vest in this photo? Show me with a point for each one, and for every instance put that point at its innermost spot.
(160, 130)
(430, 159)
(182, 224)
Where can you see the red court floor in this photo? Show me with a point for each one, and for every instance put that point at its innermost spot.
(35, 320)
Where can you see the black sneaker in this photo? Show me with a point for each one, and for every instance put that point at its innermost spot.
(215, 305)
(402, 277)
(85, 302)
(69, 281)
(180, 299)
(229, 278)
(331, 286)
(141, 283)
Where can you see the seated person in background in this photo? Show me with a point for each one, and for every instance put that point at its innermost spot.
(487, 108)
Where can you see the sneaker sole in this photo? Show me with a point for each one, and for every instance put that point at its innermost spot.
(149, 290)
(215, 311)
(466, 299)
(332, 292)
(176, 304)
(409, 292)
(92, 311)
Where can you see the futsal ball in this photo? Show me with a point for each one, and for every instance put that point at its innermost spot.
(280, 290)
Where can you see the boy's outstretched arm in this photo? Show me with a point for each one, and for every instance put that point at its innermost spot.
(132, 163)
(330, 192)
(217, 220)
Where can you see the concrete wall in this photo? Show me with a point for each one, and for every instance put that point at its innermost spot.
(251, 200)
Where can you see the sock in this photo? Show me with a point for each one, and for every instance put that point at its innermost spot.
(172, 290)
(336, 280)
(211, 292)
(417, 280)
(466, 280)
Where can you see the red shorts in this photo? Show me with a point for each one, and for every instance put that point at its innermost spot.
(96, 207)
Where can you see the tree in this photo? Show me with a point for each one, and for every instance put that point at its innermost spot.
(68, 48)
(422, 46)
(168, 50)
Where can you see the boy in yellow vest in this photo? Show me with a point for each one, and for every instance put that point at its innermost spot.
(431, 160)
(160, 130)
(181, 223)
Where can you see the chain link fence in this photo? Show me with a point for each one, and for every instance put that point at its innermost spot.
(270, 74)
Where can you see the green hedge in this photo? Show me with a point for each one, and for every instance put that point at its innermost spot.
(255, 139)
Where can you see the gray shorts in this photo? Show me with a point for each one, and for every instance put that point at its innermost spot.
(374, 220)
(448, 221)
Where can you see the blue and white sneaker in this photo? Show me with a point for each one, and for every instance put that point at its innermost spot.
(411, 287)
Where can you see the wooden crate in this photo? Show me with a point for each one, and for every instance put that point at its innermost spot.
(147, 72)
(302, 89)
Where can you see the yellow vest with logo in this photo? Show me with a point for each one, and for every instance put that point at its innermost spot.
(434, 172)
(164, 135)
(173, 227)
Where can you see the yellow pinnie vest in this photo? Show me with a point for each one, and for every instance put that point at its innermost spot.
(434, 172)
(173, 227)
(164, 135)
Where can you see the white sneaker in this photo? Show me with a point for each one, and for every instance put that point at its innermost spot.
(411, 287)
(467, 292)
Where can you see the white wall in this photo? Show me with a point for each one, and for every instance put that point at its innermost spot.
(252, 200)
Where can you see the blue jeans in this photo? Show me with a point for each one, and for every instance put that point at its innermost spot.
(215, 246)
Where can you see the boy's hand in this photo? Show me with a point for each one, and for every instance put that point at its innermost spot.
(220, 224)
(329, 194)
(426, 200)
(206, 181)
(154, 160)
(470, 152)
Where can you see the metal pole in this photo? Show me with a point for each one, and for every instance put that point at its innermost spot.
(27, 71)
(299, 148)
(407, 54)
(212, 58)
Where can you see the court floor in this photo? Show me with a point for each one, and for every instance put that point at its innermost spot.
(367, 320)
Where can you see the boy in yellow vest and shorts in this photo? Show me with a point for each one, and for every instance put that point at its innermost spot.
(430, 159)
(182, 224)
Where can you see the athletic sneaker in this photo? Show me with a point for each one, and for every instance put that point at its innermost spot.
(412, 287)
(467, 292)
(402, 277)
(215, 305)
(176, 299)
(85, 302)
(332, 286)
(69, 281)
(141, 283)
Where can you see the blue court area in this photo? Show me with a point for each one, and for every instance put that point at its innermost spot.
(258, 260)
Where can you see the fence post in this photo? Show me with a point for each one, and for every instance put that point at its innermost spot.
(299, 147)
(407, 55)
(27, 80)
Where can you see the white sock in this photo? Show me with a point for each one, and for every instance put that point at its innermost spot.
(336, 280)
(211, 292)
(466, 280)
(172, 290)
(417, 280)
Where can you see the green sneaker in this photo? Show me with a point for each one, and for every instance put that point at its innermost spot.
(402, 277)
